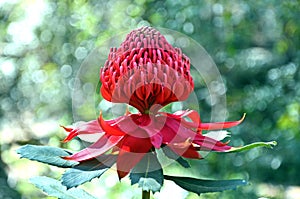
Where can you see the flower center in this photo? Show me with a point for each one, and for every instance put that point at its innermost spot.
(146, 71)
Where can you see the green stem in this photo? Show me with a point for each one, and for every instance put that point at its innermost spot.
(146, 195)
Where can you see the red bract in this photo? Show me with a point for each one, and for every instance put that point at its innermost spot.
(147, 73)
(133, 135)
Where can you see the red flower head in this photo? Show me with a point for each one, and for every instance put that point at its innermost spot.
(146, 71)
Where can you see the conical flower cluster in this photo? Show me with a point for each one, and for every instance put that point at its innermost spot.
(146, 71)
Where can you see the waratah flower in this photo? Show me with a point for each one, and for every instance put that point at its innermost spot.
(147, 73)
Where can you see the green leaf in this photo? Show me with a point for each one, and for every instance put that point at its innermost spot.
(251, 146)
(75, 177)
(172, 155)
(54, 188)
(101, 162)
(46, 154)
(148, 174)
(87, 170)
(204, 186)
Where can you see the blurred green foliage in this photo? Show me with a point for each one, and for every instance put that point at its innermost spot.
(255, 45)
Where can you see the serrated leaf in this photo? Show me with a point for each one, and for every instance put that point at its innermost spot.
(204, 186)
(54, 188)
(75, 177)
(253, 145)
(46, 154)
(101, 162)
(148, 174)
(87, 170)
(172, 155)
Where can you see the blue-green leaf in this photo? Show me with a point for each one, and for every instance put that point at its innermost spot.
(87, 170)
(148, 174)
(172, 155)
(75, 177)
(46, 154)
(204, 186)
(54, 188)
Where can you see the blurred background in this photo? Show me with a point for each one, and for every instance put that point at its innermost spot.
(255, 44)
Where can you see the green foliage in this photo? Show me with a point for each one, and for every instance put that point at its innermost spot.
(55, 188)
(46, 154)
(75, 177)
(172, 155)
(252, 146)
(205, 186)
(87, 170)
(148, 174)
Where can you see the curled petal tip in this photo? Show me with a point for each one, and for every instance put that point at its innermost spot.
(242, 119)
(112, 130)
(221, 125)
(66, 128)
(71, 135)
(227, 142)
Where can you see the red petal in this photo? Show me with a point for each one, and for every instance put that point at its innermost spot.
(176, 133)
(220, 125)
(126, 161)
(79, 128)
(182, 133)
(168, 133)
(156, 140)
(71, 135)
(126, 124)
(106, 95)
(196, 121)
(66, 128)
(193, 115)
(153, 127)
(186, 152)
(207, 143)
(132, 151)
(112, 130)
(98, 148)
